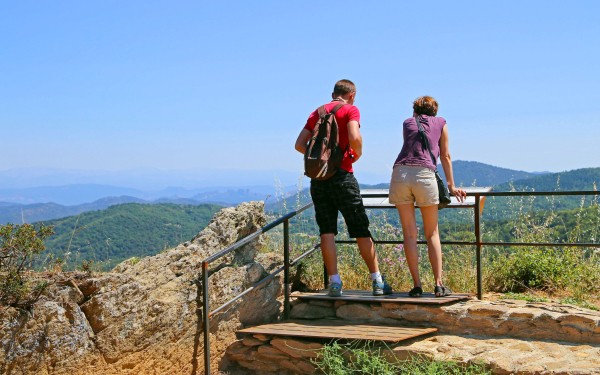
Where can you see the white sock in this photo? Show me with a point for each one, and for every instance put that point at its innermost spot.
(335, 278)
(376, 276)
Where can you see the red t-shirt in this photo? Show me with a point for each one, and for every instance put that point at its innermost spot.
(343, 116)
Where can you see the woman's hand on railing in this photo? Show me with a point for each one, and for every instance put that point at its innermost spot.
(459, 193)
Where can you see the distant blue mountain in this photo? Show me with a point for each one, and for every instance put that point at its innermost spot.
(66, 194)
(32, 204)
(29, 213)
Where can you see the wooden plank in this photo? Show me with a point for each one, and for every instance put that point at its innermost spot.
(367, 296)
(339, 329)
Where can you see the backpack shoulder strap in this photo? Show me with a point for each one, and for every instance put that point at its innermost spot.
(335, 109)
(321, 111)
(425, 141)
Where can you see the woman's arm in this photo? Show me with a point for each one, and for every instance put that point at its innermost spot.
(446, 161)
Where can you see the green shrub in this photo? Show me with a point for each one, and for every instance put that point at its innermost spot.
(534, 268)
(19, 245)
(369, 358)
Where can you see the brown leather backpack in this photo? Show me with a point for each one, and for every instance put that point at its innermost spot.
(323, 155)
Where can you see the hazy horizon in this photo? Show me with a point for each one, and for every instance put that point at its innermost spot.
(155, 179)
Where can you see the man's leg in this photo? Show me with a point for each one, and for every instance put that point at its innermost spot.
(367, 252)
(330, 260)
(329, 253)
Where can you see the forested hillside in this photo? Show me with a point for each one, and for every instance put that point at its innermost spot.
(578, 179)
(30, 213)
(112, 235)
(123, 231)
(472, 173)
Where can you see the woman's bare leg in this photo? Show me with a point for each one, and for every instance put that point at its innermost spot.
(432, 235)
(409, 231)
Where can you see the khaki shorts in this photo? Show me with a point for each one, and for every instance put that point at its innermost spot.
(412, 184)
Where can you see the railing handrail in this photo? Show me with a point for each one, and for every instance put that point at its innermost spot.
(500, 193)
(381, 193)
(252, 236)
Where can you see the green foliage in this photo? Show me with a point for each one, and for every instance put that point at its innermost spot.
(572, 269)
(524, 297)
(120, 232)
(579, 302)
(338, 359)
(19, 245)
(548, 269)
(368, 358)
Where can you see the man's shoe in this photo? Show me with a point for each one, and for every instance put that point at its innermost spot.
(380, 289)
(335, 290)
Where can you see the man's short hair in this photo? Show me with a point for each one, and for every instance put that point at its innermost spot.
(425, 105)
(343, 87)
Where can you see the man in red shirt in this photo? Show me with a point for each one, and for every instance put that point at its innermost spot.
(341, 192)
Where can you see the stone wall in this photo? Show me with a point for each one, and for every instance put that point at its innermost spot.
(506, 336)
(514, 318)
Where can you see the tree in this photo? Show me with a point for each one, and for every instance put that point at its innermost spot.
(19, 245)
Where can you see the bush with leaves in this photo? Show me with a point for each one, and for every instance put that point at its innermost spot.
(19, 245)
(369, 358)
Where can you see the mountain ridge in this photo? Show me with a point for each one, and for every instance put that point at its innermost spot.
(467, 173)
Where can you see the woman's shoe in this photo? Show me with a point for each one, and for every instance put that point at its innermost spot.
(416, 292)
(441, 291)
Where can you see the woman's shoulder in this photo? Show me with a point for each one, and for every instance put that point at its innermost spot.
(409, 120)
(439, 120)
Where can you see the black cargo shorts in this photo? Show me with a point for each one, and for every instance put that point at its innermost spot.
(339, 193)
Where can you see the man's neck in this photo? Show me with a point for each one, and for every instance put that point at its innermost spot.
(339, 99)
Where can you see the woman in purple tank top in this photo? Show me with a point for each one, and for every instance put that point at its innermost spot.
(413, 183)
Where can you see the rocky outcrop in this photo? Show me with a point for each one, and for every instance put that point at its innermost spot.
(143, 317)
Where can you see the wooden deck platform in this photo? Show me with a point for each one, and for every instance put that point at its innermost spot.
(339, 329)
(366, 296)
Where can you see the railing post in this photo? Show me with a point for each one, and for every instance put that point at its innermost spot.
(205, 316)
(286, 269)
(478, 245)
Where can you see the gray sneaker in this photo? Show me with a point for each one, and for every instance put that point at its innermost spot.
(380, 289)
(335, 290)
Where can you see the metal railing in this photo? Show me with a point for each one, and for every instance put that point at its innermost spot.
(477, 205)
(207, 314)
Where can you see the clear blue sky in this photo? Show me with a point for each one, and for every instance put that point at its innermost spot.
(114, 85)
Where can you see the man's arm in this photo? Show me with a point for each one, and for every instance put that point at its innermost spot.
(302, 141)
(355, 139)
